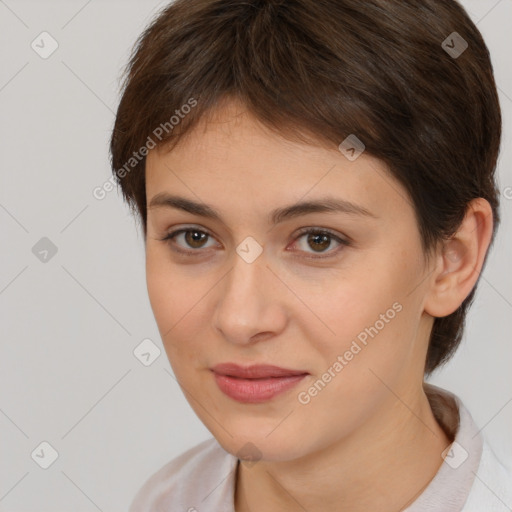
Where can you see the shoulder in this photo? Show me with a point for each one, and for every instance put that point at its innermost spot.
(492, 487)
(484, 480)
(201, 477)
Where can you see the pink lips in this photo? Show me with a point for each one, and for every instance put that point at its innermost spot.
(257, 383)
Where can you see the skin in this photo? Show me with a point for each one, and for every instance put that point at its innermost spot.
(368, 440)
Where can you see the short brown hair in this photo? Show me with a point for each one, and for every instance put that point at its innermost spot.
(322, 70)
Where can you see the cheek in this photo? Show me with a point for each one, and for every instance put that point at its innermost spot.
(165, 290)
(356, 366)
(180, 308)
(366, 316)
(170, 290)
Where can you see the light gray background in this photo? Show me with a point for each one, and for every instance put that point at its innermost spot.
(70, 325)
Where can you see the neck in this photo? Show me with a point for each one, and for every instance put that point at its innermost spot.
(385, 465)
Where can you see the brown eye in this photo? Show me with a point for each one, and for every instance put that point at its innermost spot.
(195, 239)
(319, 241)
(188, 240)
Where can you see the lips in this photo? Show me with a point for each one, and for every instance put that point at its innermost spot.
(259, 371)
(256, 383)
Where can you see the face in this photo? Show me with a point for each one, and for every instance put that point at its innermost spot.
(336, 295)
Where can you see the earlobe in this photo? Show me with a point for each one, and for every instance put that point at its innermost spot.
(460, 261)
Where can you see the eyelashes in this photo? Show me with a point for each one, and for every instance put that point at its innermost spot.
(170, 238)
(320, 237)
(317, 235)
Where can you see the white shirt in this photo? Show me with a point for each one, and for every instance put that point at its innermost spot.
(471, 477)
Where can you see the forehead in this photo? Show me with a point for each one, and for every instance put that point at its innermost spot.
(232, 157)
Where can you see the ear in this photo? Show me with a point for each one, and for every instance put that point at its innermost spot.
(459, 260)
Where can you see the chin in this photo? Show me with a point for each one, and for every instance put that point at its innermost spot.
(251, 445)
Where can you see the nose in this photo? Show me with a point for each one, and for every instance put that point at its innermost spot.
(250, 305)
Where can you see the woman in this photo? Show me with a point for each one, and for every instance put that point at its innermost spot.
(315, 181)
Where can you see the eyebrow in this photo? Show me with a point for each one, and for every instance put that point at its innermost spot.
(322, 205)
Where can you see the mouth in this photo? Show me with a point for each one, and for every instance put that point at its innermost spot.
(257, 383)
